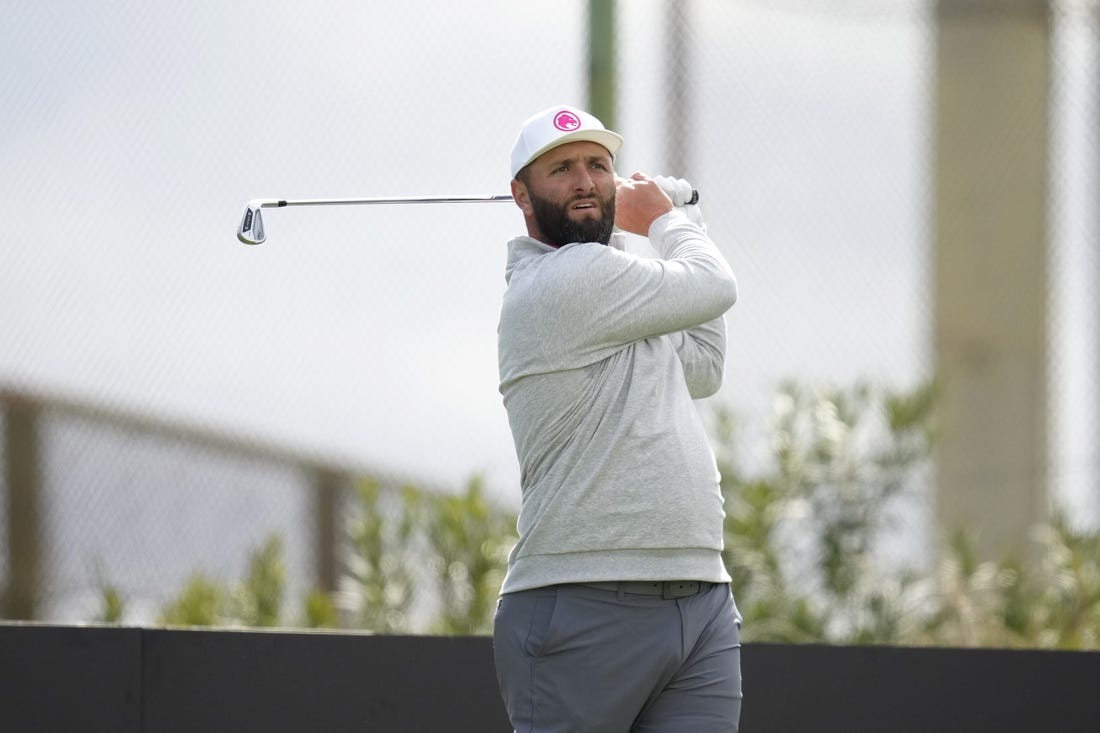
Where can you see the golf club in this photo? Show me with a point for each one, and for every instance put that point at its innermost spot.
(251, 230)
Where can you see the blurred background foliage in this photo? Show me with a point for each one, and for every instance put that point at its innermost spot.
(808, 534)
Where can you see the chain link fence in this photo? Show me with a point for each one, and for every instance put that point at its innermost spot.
(132, 136)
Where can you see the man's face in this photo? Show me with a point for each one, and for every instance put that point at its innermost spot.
(571, 195)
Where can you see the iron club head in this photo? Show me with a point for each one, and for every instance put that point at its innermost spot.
(251, 230)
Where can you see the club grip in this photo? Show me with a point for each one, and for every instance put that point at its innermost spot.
(694, 197)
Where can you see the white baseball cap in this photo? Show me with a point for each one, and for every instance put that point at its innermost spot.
(556, 126)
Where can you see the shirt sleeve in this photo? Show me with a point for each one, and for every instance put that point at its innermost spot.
(702, 353)
(601, 298)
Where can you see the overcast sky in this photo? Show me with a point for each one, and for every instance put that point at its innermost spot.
(132, 134)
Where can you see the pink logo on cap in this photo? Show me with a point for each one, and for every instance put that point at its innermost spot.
(566, 121)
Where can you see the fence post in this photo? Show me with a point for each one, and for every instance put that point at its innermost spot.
(327, 484)
(23, 480)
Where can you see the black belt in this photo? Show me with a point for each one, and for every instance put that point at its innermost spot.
(666, 589)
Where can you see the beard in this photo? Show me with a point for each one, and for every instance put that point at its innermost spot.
(554, 222)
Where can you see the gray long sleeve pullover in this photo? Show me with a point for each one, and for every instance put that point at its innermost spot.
(601, 354)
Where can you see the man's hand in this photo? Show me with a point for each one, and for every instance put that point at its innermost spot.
(680, 191)
(638, 202)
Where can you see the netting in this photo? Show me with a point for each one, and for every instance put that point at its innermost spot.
(132, 135)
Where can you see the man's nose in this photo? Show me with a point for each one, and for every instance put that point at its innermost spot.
(583, 180)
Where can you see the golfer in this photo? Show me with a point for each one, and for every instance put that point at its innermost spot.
(616, 613)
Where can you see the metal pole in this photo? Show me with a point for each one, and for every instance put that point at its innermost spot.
(677, 88)
(602, 61)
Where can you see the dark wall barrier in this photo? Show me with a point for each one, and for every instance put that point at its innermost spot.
(159, 681)
(70, 679)
(926, 690)
(240, 681)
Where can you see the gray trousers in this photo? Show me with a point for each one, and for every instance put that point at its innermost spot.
(580, 659)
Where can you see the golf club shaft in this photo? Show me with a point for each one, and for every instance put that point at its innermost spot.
(251, 230)
(279, 203)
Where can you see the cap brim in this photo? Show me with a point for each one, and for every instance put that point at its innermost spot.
(610, 140)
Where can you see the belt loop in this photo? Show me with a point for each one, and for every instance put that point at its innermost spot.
(622, 591)
(666, 590)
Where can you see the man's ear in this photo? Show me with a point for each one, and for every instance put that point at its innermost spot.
(519, 193)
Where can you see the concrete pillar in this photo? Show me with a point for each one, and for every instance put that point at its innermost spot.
(990, 269)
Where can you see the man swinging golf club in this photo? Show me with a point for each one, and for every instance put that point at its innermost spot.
(616, 613)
